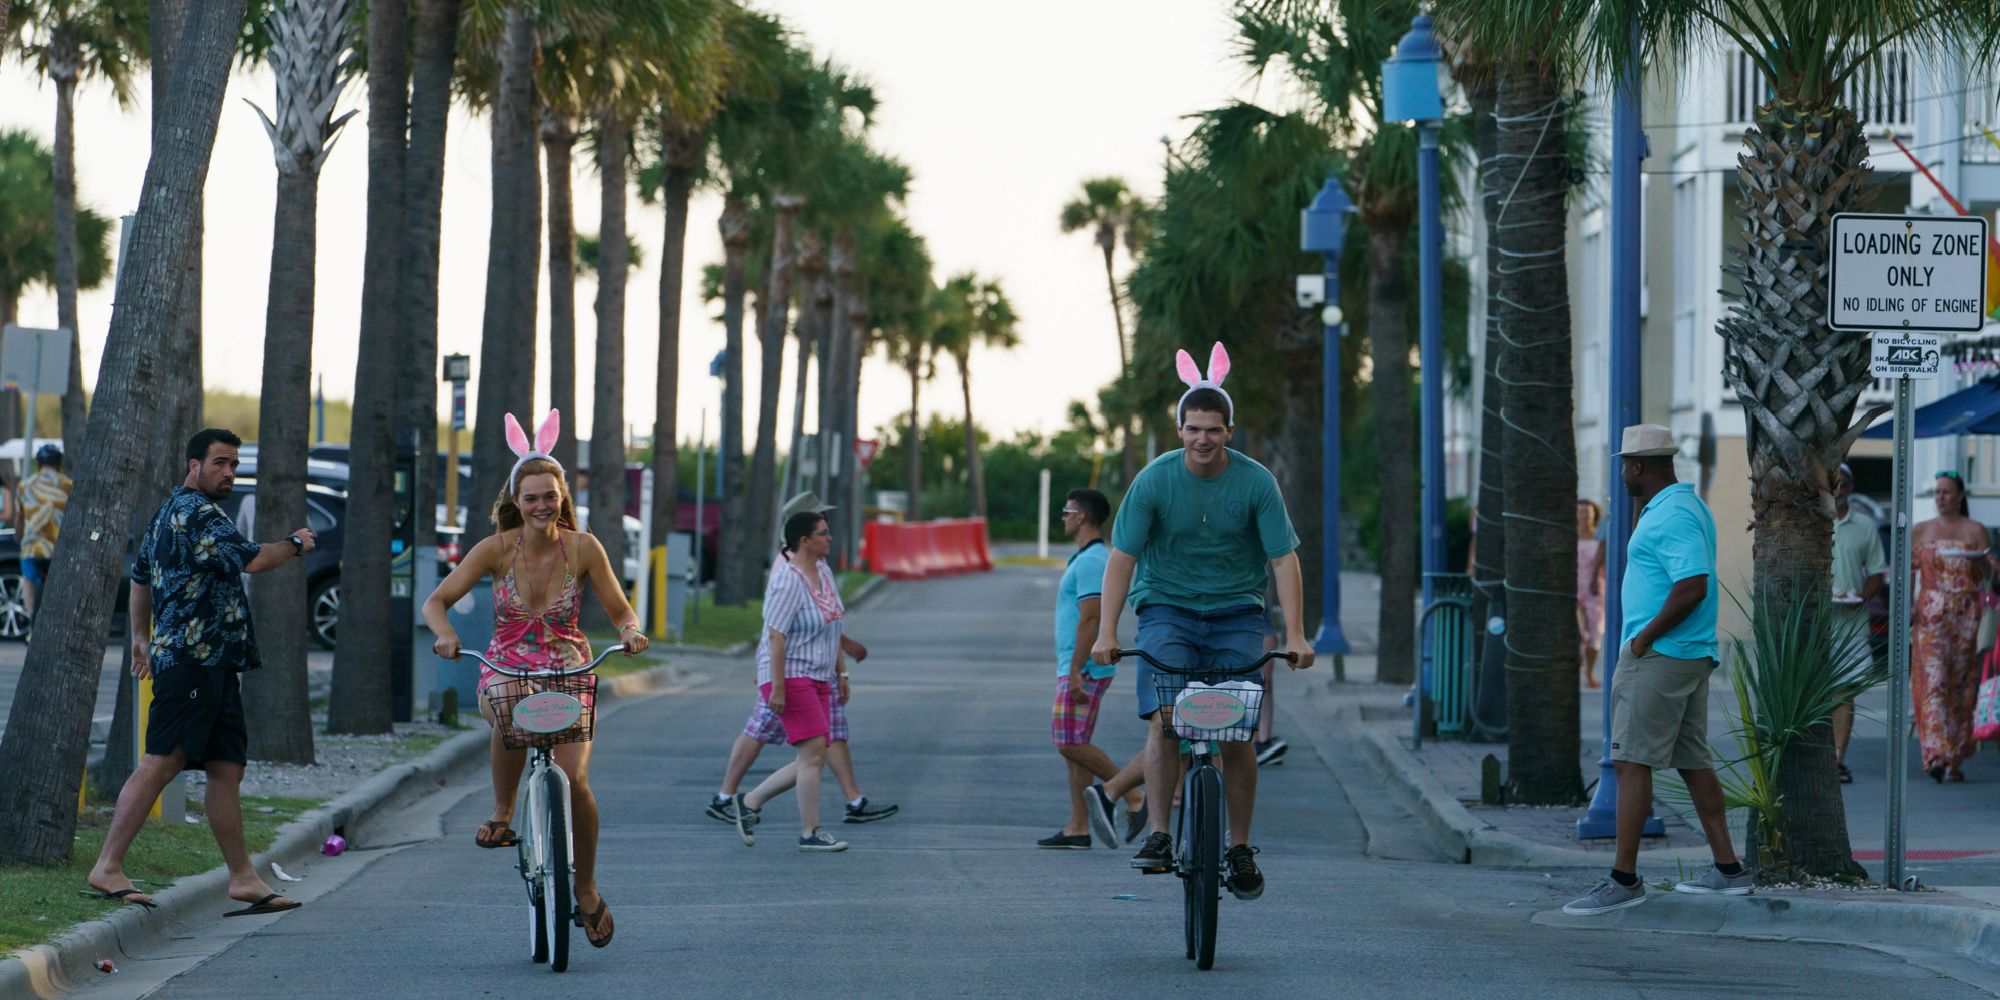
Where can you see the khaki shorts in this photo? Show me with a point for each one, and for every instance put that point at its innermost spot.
(1659, 711)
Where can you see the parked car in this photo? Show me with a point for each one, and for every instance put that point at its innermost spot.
(326, 513)
(13, 603)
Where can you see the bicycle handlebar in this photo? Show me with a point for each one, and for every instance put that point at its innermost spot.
(511, 672)
(1250, 668)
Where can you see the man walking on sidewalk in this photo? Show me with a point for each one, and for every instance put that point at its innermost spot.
(1859, 567)
(192, 557)
(1659, 697)
(44, 497)
(1080, 684)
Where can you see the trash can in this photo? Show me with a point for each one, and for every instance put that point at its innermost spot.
(472, 618)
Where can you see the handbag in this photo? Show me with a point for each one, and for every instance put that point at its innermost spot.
(1986, 711)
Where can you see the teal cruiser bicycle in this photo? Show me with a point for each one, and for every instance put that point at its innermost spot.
(1205, 707)
(547, 709)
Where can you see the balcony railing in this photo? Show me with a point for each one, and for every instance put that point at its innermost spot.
(1881, 94)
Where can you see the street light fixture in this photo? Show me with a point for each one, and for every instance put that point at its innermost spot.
(1322, 226)
(1413, 82)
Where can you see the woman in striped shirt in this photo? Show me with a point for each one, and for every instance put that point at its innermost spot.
(797, 656)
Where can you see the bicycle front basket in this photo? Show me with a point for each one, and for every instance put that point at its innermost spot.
(1220, 713)
(544, 711)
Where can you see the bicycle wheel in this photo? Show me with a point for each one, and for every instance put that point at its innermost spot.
(527, 848)
(1204, 804)
(559, 911)
(1190, 905)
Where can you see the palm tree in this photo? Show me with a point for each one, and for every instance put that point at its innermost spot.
(433, 56)
(27, 231)
(507, 337)
(47, 735)
(72, 42)
(734, 581)
(1110, 210)
(815, 316)
(360, 701)
(311, 56)
(911, 344)
(974, 312)
(558, 137)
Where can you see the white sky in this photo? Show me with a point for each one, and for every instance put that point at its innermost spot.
(1000, 110)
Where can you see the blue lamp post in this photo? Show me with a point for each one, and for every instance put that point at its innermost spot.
(1412, 91)
(1321, 226)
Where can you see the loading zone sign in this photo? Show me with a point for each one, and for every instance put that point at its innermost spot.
(1906, 355)
(1907, 272)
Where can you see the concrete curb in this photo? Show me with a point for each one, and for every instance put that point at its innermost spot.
(53, 968)
(1965, 932)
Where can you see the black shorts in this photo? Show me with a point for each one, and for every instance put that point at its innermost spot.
(199, 711)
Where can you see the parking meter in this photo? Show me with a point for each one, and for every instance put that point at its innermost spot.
(403, 576)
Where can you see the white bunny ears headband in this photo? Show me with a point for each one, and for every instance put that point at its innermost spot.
(517, 442)
(1218, 369)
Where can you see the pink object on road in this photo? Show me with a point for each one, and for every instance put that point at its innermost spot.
(334, 845)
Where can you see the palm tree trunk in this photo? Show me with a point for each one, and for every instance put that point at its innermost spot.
(777, 305)
(515, 200)
(65, 76)
(839, 363)
(823, 335)
(276, 694)
(1798, 382)
(434, 51)
(975, 477)
(48, 728)
(1395, 442)
(1489, 570)
(1539, 444)
(607, 417)
(557, 140)
(683, 155)
(802, 381)
(360, 701)
(814, 298)
(1107, 240)
(733, 585)
(913, 450)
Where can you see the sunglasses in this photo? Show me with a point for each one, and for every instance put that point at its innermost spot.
(1951, 474)
(1067, 511)
(822, 533)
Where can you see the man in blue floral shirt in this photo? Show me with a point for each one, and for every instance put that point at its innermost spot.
(193, 558)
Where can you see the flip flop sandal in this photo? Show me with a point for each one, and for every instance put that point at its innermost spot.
(264, 906)
(595, 922)
(499, 834)
(121, 896)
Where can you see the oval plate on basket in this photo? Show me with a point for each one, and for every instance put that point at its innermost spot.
(1208, 709)
(547, 712)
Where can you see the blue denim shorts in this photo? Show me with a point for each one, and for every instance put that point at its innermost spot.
(1223, 639)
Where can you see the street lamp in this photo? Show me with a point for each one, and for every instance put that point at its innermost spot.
(457, 371)
(1413, 91)
(1321, 227)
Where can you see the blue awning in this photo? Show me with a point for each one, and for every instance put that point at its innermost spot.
(1974, 410)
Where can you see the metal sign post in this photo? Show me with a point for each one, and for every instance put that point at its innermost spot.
(1904, 273)
(1903, 357)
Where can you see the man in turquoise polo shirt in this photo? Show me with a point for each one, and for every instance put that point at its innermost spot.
(1659, 697)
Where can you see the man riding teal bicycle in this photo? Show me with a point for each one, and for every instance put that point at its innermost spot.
(1200, 526)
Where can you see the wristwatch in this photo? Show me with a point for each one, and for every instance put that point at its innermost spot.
(298, 545)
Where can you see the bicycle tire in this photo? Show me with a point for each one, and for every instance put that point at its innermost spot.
(560, 911)
(527, 849)
(1189, 904)
(1205, 786)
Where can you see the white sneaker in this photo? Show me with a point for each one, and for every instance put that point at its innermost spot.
(820, 842)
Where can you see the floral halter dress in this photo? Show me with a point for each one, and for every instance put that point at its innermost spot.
(525, 640)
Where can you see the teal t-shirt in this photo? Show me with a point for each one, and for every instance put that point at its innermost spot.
(1673, 540)
(1202, 544)
(1083, 579)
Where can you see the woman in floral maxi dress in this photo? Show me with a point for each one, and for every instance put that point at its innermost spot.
(1952, 563)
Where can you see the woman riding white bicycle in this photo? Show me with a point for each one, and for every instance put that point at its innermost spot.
(537, 561)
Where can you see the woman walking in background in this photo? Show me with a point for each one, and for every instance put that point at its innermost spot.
(1589, 587)
(1952, 562)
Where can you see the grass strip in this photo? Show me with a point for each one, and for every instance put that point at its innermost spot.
(37, 904)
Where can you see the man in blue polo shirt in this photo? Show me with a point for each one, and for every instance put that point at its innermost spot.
(1080, 685)
(1659, 696)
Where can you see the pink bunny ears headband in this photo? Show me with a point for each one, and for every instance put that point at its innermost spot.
(517, 442)
(1218, 369)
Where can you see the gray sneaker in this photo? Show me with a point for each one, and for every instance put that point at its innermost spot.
(821, 843)
(745, 819)
(1099, 807)
(1607, 896)
(1713, 880)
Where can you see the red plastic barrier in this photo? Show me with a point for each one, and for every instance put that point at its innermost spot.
(918, 549)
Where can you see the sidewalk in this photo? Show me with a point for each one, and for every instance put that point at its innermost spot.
(1952, 831)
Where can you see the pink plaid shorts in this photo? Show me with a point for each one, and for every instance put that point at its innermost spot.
(1071, 724)
(765, 727)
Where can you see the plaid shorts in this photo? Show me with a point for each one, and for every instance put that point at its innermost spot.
(1071, 724)
(765, 727)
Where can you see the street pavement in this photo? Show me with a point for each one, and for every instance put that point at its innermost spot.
(950, 719)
